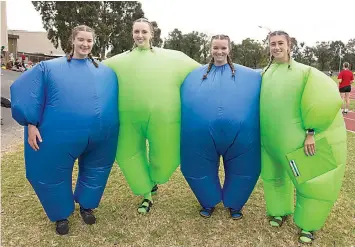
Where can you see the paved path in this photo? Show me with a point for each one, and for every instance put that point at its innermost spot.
(11, 131)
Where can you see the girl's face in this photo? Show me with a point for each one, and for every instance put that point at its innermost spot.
(142, 34)
(279, 48)
(220, 50)
(83, 43)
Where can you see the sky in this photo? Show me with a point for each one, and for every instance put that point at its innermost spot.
(308, 21)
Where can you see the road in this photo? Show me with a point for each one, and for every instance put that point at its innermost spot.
(11, 131)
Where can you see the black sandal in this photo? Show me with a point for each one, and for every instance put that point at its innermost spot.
(235, 214)
(277, 221)
(308, 235)
(145, 207)
(206, 212)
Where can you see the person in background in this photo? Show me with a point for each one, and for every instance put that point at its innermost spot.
(345, 79)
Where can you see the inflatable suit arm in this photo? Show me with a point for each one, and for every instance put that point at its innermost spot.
(27, 96)
(185, 65)
(108, 62)
(320, 101)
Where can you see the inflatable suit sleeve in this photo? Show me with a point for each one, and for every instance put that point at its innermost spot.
(320, 102)
(186, 65)
(27, 96)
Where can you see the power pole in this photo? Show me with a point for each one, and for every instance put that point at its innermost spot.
(339, 58)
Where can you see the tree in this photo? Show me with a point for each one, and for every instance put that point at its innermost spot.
(194, 44)
(350, 53)
(124, 14)
(308, 56)
(157, 41)
(206, 48)
(111, 20)
(336, 49)
(174, 40)
(323, 54)
(297, 50)
(60, 17)
(249, 53)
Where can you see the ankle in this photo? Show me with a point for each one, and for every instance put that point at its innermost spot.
(148, 196)
(85, 209)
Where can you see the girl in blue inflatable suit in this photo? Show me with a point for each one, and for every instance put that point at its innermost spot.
(220, 117)
(69, 109)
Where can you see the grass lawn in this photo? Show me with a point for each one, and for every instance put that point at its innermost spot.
(173, 221)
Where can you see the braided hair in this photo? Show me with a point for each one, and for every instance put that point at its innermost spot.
(145, 20)
(288, 39)
(229, 60)
(75, 31)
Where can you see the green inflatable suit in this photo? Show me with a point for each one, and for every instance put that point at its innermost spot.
(149, 108)
(293, 99)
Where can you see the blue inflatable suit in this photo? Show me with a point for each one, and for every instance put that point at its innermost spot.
(74, 106)
(220, 117)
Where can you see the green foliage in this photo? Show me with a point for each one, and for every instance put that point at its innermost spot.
(250, 53)
(112, 22)
(193, 44)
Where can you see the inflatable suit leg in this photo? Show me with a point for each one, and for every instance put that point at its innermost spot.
(278, 187)
(94, 169)
(242, 172)
(164, 150)
(54, 190)
(132, 158)
(316, 197)
(199, 165)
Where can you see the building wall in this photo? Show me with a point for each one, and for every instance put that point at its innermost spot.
(12, 46)
(35, 42)
(3, 25)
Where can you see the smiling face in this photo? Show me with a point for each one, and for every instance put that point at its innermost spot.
(280, 48)
(220, 50)
(82, 44)
(142, 34)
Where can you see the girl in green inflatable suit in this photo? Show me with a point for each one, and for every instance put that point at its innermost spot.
(303, 140)
(149, 108)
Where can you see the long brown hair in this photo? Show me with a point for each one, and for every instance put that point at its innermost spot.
(151, 31)
(75, 32)
(229, 60)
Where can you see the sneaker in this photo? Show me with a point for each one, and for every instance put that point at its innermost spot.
(206, 212)
(62, 227)
(235, 214)
(346, 111)
(88, 216)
